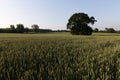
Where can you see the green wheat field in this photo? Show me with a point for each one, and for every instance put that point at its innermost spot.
(59, 56)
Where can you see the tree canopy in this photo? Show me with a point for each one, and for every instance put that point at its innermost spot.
(110, 30)
(79, 24)
(20, 28)
(35, 27)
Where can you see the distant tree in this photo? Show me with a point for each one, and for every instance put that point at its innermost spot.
(20, 28)
(7, 30)
(96, 30)
(12, 29)
(26, 30)
(118, 31)
(35, 28)
(1, 30)
(110, 30)
(78, 24)
(45, 30)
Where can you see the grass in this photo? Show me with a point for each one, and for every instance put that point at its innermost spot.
(59, 56)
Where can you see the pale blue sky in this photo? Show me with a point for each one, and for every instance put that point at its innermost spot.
(54, 14)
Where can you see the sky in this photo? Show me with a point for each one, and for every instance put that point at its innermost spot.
(54, 14)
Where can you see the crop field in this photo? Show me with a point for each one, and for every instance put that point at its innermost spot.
(59, 56)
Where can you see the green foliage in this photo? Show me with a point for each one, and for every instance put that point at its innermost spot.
(110, 30)
(35, 28)
(26, 30)
(78, 24)
(59, 57)
(82, 30)
(96, 30)
(20, 28)
(12, 27)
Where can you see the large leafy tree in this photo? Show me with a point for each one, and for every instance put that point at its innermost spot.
(79, 24)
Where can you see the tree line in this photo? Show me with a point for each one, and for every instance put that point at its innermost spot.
(106, 30)
(78, 24)
(21, 29)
